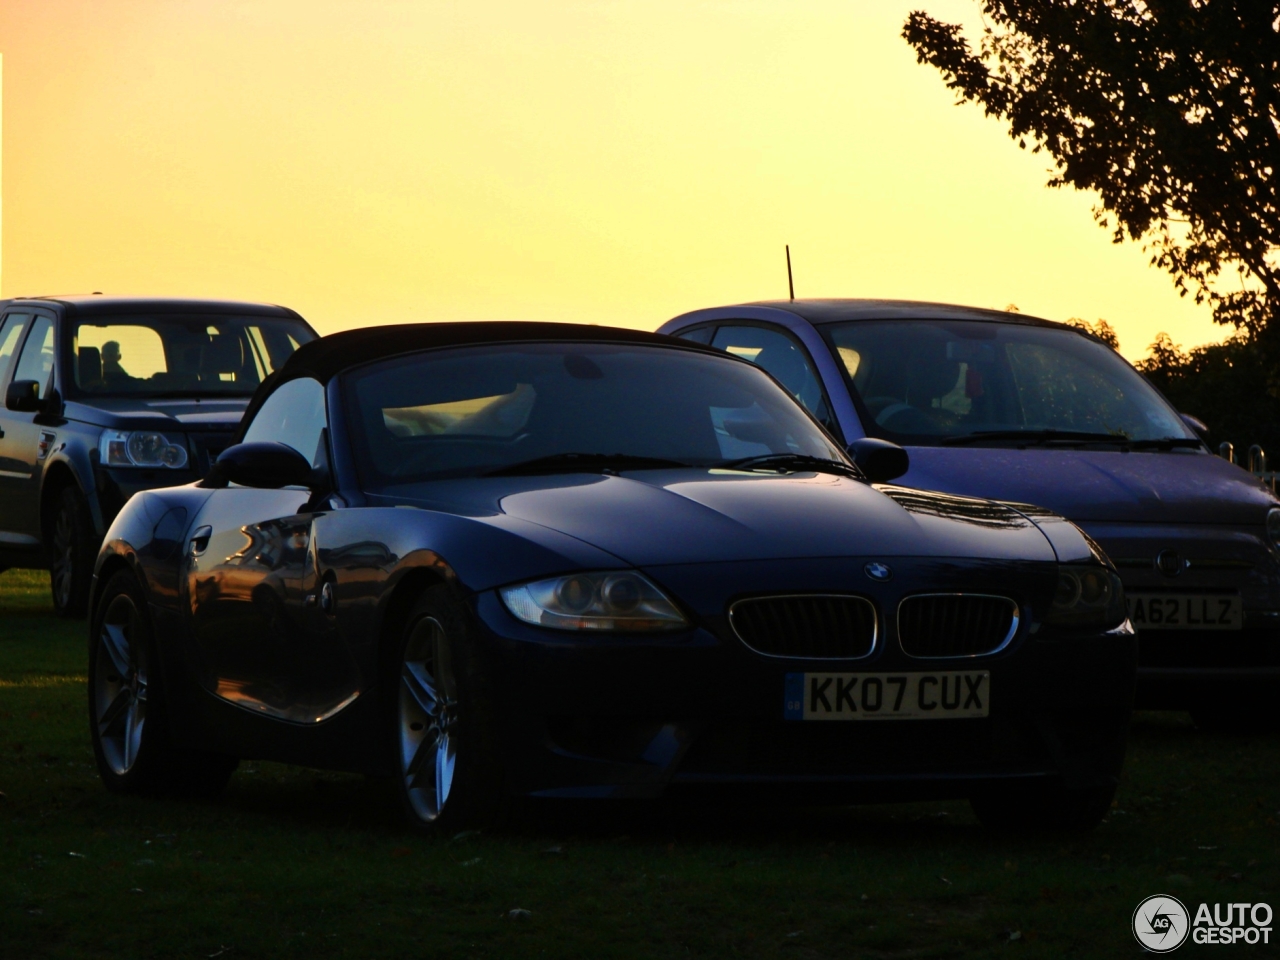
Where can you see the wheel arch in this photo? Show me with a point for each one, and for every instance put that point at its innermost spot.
(57, 477)
(399, 604)
(116, 557)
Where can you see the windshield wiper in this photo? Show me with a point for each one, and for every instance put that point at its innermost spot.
(1069, 438)
(1163, 443)
(583, 463)
(792, 461)
(1034, 436)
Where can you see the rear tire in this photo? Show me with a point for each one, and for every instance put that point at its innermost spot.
(128, 723)
(71, 554)
(1045, 808)
(441, 721)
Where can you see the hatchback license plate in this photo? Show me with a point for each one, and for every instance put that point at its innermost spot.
(887, 696)
(1184, 611)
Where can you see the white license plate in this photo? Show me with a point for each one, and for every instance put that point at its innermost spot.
(1184, 611)
(887, 696)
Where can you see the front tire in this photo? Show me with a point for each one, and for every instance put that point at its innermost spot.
(1046, 808)
(128, 722)
(71, 554)
(443, 726)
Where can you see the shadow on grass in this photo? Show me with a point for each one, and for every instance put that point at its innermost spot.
(25, 593)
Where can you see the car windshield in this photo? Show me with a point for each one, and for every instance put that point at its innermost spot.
(185, 356)
(481, 410)
(936, 381)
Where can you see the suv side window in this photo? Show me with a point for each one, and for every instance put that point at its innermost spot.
(294, 415)
(782, 357)
(10, 337)
(36, 361)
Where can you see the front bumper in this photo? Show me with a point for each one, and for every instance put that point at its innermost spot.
(1180, 669)
(699, 712)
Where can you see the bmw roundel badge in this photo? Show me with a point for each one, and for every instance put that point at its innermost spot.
(878, 571)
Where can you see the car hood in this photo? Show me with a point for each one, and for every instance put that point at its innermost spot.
(1097, 485)
(139, 413)
(700, 516)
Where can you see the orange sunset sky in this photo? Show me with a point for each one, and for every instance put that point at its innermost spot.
(607, 161)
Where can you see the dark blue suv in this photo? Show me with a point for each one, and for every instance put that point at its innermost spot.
(105, 396)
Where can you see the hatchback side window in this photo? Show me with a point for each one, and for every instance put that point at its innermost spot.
(785, 359)
(10, 337)
(36, 361)
(294, 415)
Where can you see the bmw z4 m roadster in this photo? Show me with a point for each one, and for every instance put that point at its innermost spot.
(499, 561)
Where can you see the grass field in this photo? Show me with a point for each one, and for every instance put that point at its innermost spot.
(294, 863)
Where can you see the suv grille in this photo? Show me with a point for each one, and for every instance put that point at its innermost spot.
(811, 627)
(955, 624)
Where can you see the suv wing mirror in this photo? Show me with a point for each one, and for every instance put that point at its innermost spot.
(266, 465)
(23, 396)
(1195, 423)
(880, 460)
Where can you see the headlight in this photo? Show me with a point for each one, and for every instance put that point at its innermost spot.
(1273, 526)
(615, 600)
(142, 448)
(1087, 596)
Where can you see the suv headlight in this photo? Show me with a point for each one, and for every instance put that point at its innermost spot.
(1087, 596)
(142, 448)
(619, 600)
(1273, 526)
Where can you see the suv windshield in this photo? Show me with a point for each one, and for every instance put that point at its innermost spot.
(560, 406)
(937, 381)
(181, 355)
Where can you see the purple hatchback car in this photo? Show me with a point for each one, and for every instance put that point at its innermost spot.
(1009, 407)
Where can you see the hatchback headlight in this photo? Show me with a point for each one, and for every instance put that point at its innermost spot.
(142, 448)
(1273, 526)
(619, 600)
(1087, 596)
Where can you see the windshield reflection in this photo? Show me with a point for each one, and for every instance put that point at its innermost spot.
(934, 381)
(569, 407)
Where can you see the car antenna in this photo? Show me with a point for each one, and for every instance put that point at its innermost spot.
(791, 287)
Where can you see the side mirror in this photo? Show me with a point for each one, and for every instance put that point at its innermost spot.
(880, 460)
(267, 465)
(1195, 423)
(23, 396)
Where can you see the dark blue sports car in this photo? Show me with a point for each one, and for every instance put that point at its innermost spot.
(505, 560)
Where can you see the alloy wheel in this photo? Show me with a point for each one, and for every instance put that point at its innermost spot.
(120, 685)
(64, 557)
(428, 716)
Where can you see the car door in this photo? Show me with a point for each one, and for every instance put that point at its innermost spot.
(262, 640)
(785, 359)
(20, 446)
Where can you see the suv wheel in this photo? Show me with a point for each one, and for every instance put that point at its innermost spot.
(71, 554)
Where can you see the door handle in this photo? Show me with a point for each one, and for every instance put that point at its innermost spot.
(200, 540)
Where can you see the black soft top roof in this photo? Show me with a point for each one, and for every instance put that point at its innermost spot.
(330, 355)
(90, 305)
